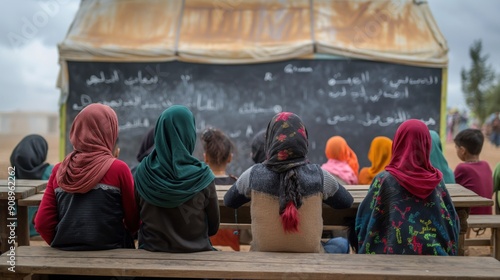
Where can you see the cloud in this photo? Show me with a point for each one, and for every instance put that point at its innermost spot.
(29, 78)
(27, 20)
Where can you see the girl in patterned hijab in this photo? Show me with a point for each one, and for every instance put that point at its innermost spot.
(287, 193)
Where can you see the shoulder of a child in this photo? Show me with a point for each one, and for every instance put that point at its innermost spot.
(460, 167)
(119, 165)
(56, 167)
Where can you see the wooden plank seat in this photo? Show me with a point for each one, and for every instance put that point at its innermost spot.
(244, 265)
(486, 221)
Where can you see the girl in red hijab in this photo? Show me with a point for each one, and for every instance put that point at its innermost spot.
(89, 202)
(407, 209)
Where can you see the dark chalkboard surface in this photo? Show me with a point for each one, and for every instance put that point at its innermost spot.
(352, 98)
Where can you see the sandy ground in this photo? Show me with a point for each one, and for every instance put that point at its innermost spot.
(489, 154)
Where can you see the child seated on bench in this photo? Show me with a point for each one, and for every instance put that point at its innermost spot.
(218, 153)
(287, 193)
(89, 201)
(174, 190)
(379, 156)
(472, 173)
(29, 158)
(407, 209)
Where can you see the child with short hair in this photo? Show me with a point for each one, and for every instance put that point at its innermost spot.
(218, 153)
(473, 174)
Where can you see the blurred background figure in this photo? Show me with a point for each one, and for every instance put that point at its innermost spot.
(29, 157)
(342, 161)
(147, 145)
(258, 147)
(379, 155)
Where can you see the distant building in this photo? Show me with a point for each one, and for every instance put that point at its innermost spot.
(23, 123)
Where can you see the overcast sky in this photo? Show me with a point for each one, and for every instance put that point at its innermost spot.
(29, 66)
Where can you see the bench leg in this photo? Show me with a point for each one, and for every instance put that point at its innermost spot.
(23, 228)
(463, 215)
(495, 238)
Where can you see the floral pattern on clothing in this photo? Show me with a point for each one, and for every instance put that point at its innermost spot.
(393, 221)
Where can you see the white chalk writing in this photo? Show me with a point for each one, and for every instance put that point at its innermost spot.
(250, 108)
(421, 81)
(141, 80)
(94, 80)
(364, 78)
(399, 117)
(373, 98)
(268, 77)
(336, 119)
(290, 69)
(134, 124)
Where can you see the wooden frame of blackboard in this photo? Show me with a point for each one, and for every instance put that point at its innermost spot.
(442, 110)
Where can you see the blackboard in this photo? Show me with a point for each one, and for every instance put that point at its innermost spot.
(356, 99)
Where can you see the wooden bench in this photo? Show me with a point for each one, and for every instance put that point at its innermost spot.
(244, 265)
(486, 221)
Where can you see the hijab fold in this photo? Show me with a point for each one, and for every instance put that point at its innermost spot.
(29, 157)
(438, 160)
(170, 175)
(379, 155)
(93, 135)
(410, 163)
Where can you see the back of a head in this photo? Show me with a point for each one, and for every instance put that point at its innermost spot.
(217, 146)
(95, 126)
(412, 143)
(258, 147)
(286, 147)
(471, 139)
(147, 145)
(29, 156)
(336, 148)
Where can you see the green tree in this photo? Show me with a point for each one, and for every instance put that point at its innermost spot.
(477, 81)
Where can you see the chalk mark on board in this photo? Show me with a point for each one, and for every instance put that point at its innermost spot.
(399, 117)
(141, 80)
(364, 78)
(290, 69)
(94, 80)
(250, 108)
(134, 124)
(409, 81)
(336, 119)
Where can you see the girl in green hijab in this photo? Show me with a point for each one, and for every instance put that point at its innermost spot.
(438, 160)
(174, 190)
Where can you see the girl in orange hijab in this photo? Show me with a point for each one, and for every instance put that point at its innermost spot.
(380, 156)
(342, 161)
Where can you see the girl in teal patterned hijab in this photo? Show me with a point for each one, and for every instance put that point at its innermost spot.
(170, 175)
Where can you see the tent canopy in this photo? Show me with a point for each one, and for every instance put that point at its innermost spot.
(247, 31)
(252, 31)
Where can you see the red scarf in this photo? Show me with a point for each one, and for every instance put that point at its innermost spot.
(410, 163)
(93, 135)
